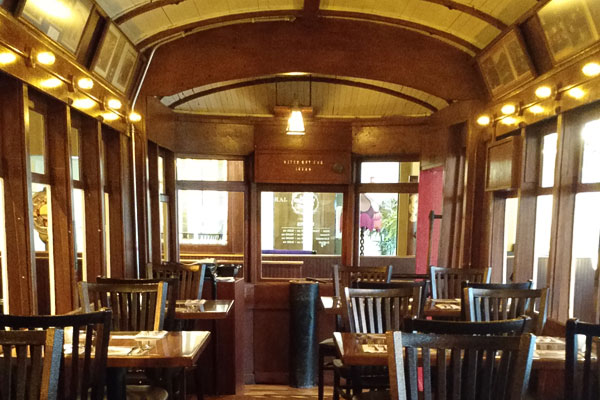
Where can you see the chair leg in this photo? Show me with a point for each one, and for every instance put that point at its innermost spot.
(320, 378)
(336, 385)
(198, 383)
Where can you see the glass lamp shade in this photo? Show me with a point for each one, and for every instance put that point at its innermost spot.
(295, 124)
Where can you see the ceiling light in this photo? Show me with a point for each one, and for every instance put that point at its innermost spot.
(46, 58)
(53, 8)
(110, 116)
(576, 93)
(85, 83)
(114, 104)
(543, 92)
(509, 121)
(135, 117)
(84, 104)
(591, 69)
(295, 124)
(51, 83)
(483, 120)
(295, 73)
(6, 57)
(508, 109)
(537, 109)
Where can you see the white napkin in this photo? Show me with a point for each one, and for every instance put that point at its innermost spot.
(151, 335)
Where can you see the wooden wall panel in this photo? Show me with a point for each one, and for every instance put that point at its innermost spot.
(196, 137)
(160, 123)
(172, 193)
(91, 164)
(20, 256)
(154, 204)
(135, 158)
(320, 136)
(63, 232)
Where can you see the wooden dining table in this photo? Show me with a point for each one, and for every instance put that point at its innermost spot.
(203, 309)
(129, 350)
(437, 308)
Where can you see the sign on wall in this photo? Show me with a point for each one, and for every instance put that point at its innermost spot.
(314, 167)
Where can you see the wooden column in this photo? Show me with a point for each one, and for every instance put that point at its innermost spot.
(91, 164)
(63, 233)
(139, 141)
(154, 204)
(172, 193)
(20, 255)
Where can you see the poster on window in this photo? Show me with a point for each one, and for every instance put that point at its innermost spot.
(116, 59)
(570, 26)
(62, 21)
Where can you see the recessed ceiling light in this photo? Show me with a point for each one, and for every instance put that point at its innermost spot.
(6, 57)
(85, 83)
(576, 93)
(84, 104)
(508, 109)
(46, 58)
(135, 117)
(543, 92)
(483, 120)
(51, 83)
(114, 104)
(591, 69)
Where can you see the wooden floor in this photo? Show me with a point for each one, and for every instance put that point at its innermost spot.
(252, 392)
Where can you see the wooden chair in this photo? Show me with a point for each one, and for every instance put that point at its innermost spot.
(191, 277)
(30, 363)
(344, 276)
(516, 326)
(513, 285)
(84, 375)
(422, 286)
(172, 294)
(502, 304)
(582, 383)
(502, 374)
(446, 282)
(135, 307)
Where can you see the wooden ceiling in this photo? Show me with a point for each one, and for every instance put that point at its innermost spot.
(429, 45)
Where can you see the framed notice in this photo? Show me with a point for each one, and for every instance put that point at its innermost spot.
(506, 64)
(570, 26)
(62, 21)
(116, 59)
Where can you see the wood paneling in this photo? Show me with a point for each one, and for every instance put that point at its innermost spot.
(91, 164)
(135, 180)
(20, 257)
(154, 204)
(504, 164)
(63, 237)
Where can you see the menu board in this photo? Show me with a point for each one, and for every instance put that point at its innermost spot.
(62, 21)
(505, 65)
(570, 26)
(116, 59)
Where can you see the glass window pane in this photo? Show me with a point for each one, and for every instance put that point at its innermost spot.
(190, 169)
(543, 223)
(387, 224)
(510, 235)
(301, 222)
(161, 175)
(590, 167)
(164, 223)
(584, 262)
(37, 141)
(389, 172)
(548, 159)
(79, 226)
(202, 217)
(107, 233)
(4, 286)
(42, 242)
(75, 153)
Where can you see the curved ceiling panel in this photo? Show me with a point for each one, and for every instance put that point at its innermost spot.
(330, 97)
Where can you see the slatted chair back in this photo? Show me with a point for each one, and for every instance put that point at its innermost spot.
(421, 290)
(135, 307)
(30, 363)
(172, 294)
(191, 277)
(582, 383)
(349, 276)
(446, 282)
(502, 304)
(381, 310)
(83, 376)
(449, 367)
(516, 326)
(512, 285)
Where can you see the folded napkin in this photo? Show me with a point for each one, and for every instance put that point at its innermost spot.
(374, 348)
(119, 350)
(194, 303)
(151, 335)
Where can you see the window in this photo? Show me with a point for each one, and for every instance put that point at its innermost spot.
(163, 210)
(3, 265)
(78, 197)
(387, 220)
(586, 226)
(511, 212)
(210, 209)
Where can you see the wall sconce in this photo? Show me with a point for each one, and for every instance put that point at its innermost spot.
(295, 124)
(135, 117)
